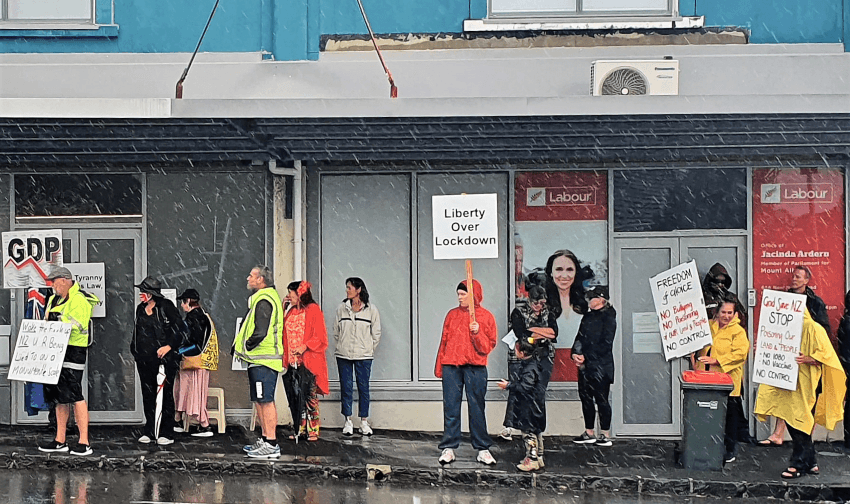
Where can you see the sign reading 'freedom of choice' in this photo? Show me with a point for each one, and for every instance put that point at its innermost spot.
(465, 226)
(681, 310)
(39, 351)
(780, 333)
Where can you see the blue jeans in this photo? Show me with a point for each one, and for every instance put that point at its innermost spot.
(363, 370)
(455, 378)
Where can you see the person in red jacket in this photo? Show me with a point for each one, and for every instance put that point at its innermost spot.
(462, 362)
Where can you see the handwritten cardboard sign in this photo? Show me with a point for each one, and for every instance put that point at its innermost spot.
(682, 318)
(780, 332)
(39, 351)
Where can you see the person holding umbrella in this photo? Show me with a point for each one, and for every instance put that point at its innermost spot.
(305, 339)
(258, 343)
(159, 330)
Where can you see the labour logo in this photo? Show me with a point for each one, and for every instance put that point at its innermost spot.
(536, 197)
(770, 193)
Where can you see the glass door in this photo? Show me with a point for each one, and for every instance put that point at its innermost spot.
(110, 384)
(647, 397)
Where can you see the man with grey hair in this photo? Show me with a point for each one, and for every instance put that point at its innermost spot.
(259, 342)
(72, 305)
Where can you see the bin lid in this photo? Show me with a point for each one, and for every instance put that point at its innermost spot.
(706, 379)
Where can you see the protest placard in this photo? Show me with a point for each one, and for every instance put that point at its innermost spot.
(28, 257)
(39, 351)
(466, 226)
(679, 304)
(780, 332)
(92, 279)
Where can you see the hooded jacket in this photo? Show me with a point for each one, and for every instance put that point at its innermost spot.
(795, 406)
(715, 286)
(458, 345)
(729, 346)
(75, 309)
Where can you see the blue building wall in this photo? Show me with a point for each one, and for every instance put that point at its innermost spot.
(291, 29)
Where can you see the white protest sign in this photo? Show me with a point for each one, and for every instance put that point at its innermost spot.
(780, 333)
(465, 226)
(28, 257)
(92, 279)
(39, 351)
(238, 364)
(681, 310)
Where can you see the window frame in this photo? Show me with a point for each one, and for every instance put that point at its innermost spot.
(100, 24)
(580, 13)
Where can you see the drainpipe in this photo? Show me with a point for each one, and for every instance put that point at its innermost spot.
(297, 240)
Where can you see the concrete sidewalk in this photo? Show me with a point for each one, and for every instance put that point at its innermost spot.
(629, 466)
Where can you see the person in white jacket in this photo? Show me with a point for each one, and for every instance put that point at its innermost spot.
(357, 332)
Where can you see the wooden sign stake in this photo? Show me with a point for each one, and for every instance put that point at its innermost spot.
(469, 287)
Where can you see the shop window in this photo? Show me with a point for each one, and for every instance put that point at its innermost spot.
(57, 18)
(555, 212)
(96, 196)
(679, 199)
(579, 8)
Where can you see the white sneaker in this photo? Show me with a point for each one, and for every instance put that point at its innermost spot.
(265, 451)
(485, 457)
(447, 457)
(251, 447)
(178, 429)
(365, 430)
(506, 434)
(348, 428)
(145, 439)
(163, 441)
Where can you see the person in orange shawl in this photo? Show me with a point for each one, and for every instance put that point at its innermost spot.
(462, 362)
(305, 339)
(802, 408)
(727, 354)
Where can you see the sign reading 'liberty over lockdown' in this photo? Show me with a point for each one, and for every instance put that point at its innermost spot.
(465, 226)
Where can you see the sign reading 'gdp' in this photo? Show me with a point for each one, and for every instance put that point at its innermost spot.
(28, 257)
(681, 310)
(780, 333)
(465, 226)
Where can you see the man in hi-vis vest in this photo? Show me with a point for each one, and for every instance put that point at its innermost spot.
(72, 305)
(260, 344)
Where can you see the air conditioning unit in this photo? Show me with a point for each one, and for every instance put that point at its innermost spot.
(635, 77)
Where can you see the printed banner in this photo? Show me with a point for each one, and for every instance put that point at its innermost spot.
(92, 279)
(557, 211)
(28, 257)
(39, 351)
(780, 332)
(677, 294)
(465, 226)
(798, 219)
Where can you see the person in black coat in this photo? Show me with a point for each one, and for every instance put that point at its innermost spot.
(158, 333)
(528, 415)
(715, 286)
(532, 319)
(593, 353)
(844, 357)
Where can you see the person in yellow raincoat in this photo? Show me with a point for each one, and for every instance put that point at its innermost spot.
(803, 407)
(727, 354)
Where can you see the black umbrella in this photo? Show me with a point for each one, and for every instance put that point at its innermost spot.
(297, 382)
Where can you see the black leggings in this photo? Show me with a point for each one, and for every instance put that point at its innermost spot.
(590, 391)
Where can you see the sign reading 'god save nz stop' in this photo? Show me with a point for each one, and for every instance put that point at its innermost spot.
(465, 226)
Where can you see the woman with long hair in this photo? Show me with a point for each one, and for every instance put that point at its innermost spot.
(357, 332)
(305, 339)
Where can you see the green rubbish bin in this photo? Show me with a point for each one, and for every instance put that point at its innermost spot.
(704, 397)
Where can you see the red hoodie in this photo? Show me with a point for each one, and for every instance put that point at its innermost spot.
(458, 345)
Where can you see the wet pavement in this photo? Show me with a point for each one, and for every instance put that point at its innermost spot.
(78, 487)
(629, 467)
